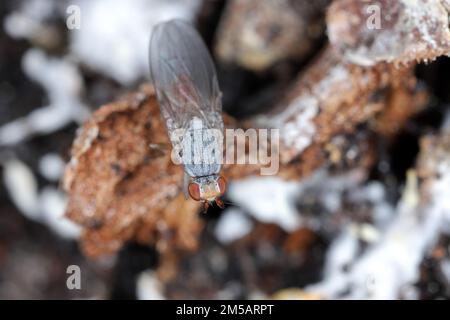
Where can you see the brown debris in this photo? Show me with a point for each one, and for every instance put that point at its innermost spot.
(257, 34)
(299, 241)
(434, 150)
(333, 97)
(368, 32)
(259, 261)
(433, 162)
(121, 180)
(402, 102)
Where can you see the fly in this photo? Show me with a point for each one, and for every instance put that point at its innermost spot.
(188, 94)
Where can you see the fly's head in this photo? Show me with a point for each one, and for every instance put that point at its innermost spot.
(208, 189)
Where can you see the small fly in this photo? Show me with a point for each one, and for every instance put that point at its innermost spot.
(189, 97)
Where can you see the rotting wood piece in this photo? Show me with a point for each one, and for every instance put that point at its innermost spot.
(401, 31)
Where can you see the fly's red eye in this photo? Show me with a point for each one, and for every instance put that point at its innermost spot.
(222, 185)
(194, 191)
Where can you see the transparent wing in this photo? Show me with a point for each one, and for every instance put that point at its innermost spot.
(184, 77)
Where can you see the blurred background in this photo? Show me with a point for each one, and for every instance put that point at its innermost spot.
(325, 237)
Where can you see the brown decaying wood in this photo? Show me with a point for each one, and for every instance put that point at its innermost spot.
(408, 30)
(333, 96)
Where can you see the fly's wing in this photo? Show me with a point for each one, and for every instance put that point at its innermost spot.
(184, 77)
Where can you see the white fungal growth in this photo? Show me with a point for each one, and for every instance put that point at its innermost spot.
(28, 21)
(267, 200)
(148, 287)
(421, 27)
(51, 166)
(115, 34)
(273, 200)
(63, 84)
(391, 264)
(232, 225)
(296, 121)
(52, 204)
(47, 207)
(21, 185)
(299, 132)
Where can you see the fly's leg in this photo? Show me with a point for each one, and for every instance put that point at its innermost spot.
(219, 203)
(205, 206)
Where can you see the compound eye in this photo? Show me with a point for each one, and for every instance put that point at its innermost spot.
(222, 185)
(194, 191)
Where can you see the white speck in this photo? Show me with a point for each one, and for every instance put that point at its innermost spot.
(27, 22)
(231, 290)
(300, 132)
(232, 225)
(446, 122)
(53, 205)
(366, 232)
(267, 200)
(22, 187)
(51, 166)
(342, 252)
(148, 287)
(445, 267)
